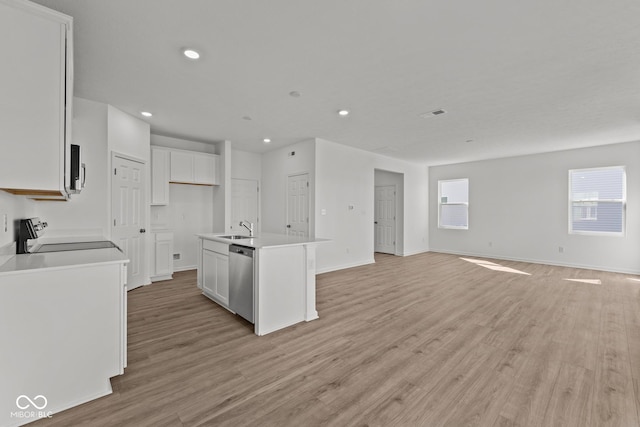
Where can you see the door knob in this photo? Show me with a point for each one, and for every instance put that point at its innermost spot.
(142, 230)
(375, 222)
(288, 225)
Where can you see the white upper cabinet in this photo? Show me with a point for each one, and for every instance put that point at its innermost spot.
(182, 167)
(204, 169)
(36, 90)
(190, 167)
(160, 169)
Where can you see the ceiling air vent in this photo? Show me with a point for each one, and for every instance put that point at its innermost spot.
(433, 113)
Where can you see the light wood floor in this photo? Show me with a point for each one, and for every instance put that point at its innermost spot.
(426, 340)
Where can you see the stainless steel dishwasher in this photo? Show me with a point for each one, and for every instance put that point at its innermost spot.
(241, 281)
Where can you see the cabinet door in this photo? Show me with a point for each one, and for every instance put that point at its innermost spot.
(222, 278)
(163, 258)
(215, 276)
(32, 111)
(204, 169)
(209, 272)
(159, 176)
(181, 167)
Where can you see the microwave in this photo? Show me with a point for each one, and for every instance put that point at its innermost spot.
(77, 170)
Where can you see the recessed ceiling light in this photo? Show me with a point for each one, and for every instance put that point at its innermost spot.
(343, 113)
(146, 113)
(266, 140)
(294, 93)
(191, 54)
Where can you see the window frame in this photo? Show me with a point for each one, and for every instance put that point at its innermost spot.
(452, 227)
(623, 201)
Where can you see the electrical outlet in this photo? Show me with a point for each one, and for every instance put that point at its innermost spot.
(176, 256)
(490, 244)
(6, 224)
(560, 249)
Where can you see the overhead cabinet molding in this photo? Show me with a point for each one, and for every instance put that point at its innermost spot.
(36, 82)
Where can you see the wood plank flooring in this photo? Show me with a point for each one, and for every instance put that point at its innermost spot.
(426, 340)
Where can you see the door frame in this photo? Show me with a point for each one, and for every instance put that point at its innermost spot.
(286, 201)
(146, 206)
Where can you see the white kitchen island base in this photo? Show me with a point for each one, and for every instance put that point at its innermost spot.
(284, 277)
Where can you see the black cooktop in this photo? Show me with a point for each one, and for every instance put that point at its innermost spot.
(74, 246)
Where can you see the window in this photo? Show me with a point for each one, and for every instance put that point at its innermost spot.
(597, 199)
(453, 203)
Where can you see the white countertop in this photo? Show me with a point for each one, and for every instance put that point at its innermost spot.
(25, 263)
(263, 240)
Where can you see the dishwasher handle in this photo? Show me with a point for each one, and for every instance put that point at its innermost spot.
(241, 250)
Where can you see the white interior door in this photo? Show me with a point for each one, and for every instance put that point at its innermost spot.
(385, 219)
(244, 204)
(128, 215)
(298, 205)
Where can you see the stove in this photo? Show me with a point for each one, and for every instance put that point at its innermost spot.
(32, 228)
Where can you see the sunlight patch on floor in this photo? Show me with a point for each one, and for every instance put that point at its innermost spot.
(590, 281)
(493, 266)
(633, 280)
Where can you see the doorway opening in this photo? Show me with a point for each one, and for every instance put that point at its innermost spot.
(388, 221)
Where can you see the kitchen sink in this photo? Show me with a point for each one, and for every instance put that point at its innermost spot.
(234, 237)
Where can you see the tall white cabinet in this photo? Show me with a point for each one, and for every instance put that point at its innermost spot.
(36, 83)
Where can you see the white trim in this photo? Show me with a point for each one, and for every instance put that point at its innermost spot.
(537, 261)
(186, 268)
(420, 251)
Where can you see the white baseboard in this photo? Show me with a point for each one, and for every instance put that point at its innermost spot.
(538, 261)
(186, 268)
(420, 251)
(344, 266)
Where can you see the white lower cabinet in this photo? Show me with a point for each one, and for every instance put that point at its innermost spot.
(215, 273)
(163, 256)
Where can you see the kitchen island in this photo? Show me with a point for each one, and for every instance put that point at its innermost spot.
(284, 282)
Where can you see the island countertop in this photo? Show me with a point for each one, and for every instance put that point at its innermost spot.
(263, 240)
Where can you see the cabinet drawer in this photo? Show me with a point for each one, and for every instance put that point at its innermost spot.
(219, 247)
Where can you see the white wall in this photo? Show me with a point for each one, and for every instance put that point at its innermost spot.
(345, 176)
(184, 144)
(277, 165)
(520, 205)
(87, 212)
(245, 165)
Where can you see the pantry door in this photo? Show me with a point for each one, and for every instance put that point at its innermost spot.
(128, 217)
(298, 205)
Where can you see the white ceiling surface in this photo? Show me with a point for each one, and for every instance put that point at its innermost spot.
(515, 77)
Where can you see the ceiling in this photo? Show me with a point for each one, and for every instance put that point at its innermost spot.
(513, 77)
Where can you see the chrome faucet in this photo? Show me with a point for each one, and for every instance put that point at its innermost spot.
(248, 225)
